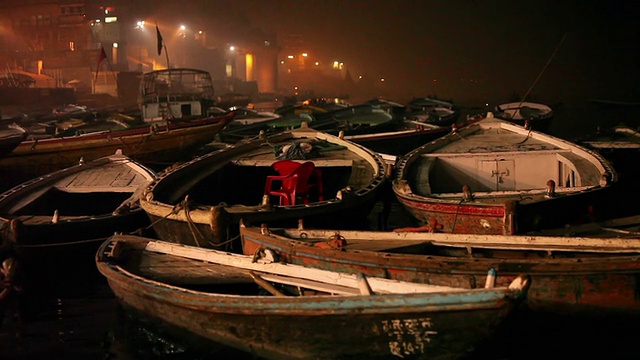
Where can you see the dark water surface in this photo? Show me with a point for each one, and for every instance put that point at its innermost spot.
(78, 317)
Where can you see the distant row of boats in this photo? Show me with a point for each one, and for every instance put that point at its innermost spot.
(233, 246)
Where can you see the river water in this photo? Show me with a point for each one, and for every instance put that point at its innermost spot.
(81, 319)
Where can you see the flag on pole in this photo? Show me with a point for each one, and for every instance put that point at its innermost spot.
(103, 55)
(159, 40)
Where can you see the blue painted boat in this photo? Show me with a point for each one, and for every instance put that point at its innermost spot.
(277, 311)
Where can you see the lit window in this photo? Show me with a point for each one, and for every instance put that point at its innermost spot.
(110, 19)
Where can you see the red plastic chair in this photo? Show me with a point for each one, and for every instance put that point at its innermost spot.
(314, 185)
(293, 180)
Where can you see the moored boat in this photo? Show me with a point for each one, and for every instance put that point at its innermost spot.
(575, 275)
(619, 144)
(433, 111)
(537, 116)
(56, 221)
(495, 177)
(351, 120)
(245, 116)
(407, 136)
(278, 311)
(202, 201)
(11, 135)
(175, 120)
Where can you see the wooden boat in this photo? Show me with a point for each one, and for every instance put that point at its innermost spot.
(242, 132)
(531, 115)
(57, 218)
(405, 136)
(615, 137)
(201, 201)
(174, 121)
(536, 115)
(283, 311)
(352, 120)
(11, 136)
(149, 143)
(571, 275)
(622, 227)
(433, 111)
(409, 135)
(495, 177)
(245, 116)
(300, 109)
(620, 145)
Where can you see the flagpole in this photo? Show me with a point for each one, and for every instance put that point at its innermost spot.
(166, 54)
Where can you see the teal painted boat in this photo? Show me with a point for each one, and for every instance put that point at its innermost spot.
(283, 311)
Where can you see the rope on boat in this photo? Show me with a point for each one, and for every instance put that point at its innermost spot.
(225, 242)
(136, 146)
(455, 218)
(195, 232)
(60, 244)
(173, 211)
(192, 226)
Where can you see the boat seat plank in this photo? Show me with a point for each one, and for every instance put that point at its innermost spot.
(180, 270)
(350, 280)
(310, 284)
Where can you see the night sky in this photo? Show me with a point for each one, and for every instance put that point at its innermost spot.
(465, 50)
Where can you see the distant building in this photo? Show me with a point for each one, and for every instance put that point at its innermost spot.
(64, 39)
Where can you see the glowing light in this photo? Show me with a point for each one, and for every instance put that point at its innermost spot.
(183, 28)
(115, 45)
(232, 48)
(110, 19)
(289, 56)
(381, 79)
(282, 62)
(317, 63)
(304, 54)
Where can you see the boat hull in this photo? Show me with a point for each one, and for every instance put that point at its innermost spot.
(147, 144)
(56, 222)
(578, 284)
(398, 142)
(494, 177)
(408, 325)
(202, 202)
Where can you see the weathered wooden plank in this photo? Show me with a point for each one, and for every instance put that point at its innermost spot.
(245, 262)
